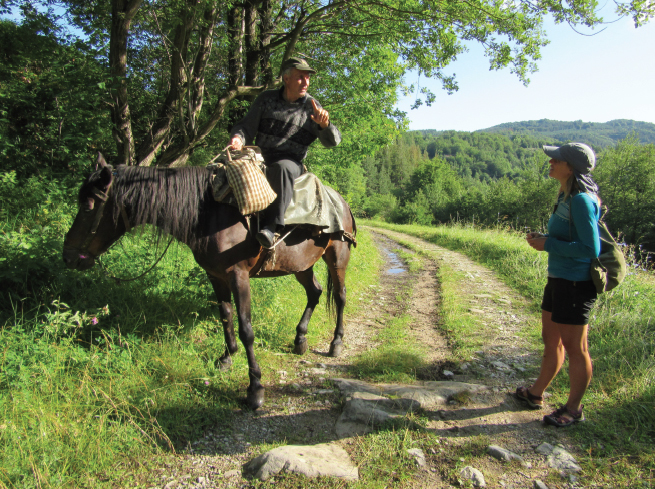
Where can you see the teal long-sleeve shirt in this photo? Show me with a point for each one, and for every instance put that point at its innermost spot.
(572, 246)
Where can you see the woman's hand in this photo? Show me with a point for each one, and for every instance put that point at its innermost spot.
(536, 240)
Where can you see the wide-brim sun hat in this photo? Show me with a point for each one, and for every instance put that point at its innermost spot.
(581, 158)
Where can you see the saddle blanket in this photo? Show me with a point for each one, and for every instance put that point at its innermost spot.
(312, 204)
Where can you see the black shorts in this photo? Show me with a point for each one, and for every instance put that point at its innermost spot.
(569, 302)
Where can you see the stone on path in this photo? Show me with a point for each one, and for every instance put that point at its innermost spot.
(429, 394)
(559, 459)
(418, 455)
(473, 475)
(311, 461)
(539, 485)
(371, 405)
(364, 412)
(501, 453)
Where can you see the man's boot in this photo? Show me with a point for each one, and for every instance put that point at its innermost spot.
(266, 237)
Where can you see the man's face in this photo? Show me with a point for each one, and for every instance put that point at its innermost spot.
(296, 84)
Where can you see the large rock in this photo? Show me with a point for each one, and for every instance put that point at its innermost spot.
(364, 412)
(474, 475)
(428, 394)
(311, 461)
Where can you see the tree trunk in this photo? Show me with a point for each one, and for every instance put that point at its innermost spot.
(252, 43)
(265, 13)
(122, 14)
(177, 154)
(235, 36)
(173, 104)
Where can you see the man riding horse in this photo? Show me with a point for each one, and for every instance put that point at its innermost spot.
(285, 122)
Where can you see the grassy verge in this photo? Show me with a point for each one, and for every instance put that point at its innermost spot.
(620, 403)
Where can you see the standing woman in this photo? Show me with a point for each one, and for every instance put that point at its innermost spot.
(571, 243)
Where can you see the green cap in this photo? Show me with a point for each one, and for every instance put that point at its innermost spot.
(580, 156)
(297, 63)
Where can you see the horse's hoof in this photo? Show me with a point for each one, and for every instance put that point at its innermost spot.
(336, 349)
(255, 398)
(300, 348)
(224, 364)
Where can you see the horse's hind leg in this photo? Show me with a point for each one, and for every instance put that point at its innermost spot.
(336, 256)
(313, 290)
(224, 297)
(240, 286)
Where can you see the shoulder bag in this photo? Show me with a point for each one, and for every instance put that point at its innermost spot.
(609, 269)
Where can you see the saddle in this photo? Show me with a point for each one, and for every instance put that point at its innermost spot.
(313, 204)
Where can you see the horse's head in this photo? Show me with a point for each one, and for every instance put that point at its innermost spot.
(94, 228)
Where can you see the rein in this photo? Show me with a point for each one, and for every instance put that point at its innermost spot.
(118, 280)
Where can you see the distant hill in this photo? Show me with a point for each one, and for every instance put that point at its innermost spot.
(597, 134)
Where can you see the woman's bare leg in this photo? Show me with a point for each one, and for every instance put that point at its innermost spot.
(574, 339)
(553, 357)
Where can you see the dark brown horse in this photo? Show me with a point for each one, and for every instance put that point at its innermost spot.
(179, 202)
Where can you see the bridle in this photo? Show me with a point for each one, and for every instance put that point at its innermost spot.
(99, 211)
(83, 250)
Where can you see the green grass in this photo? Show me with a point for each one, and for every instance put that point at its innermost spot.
(95, 374)
(620, 402)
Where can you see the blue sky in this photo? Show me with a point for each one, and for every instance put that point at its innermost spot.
(596, 79)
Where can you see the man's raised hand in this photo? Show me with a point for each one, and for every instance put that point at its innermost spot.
(320, 115)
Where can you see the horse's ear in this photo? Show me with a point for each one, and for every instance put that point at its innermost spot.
(105, 177)
(101, 161)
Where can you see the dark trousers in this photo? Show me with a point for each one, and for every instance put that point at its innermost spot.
(281, 175)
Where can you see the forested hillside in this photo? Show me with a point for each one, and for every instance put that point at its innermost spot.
(597, 134)
(429, 178)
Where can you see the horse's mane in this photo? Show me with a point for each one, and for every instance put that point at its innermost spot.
(176, 200)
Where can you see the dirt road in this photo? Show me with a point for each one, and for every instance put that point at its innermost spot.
(302, 405)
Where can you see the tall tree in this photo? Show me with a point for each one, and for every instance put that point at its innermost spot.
(180, 69)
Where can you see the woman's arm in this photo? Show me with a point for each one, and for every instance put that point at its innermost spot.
(584, 212)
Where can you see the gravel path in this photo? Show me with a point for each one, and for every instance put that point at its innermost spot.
(302, 406)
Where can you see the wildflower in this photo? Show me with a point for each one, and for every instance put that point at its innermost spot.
(206, 382)
(94, 321)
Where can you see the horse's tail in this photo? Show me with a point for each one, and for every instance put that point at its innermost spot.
(354, 233)
(330, 303)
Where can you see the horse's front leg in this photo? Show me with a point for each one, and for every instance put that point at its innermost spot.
(240, 286)
(224, 297)
(313, 290)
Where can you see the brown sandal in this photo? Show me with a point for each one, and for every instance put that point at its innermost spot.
(523, 394)
(563, 417)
